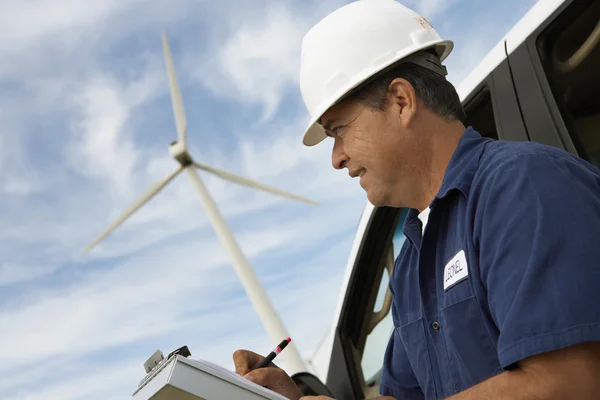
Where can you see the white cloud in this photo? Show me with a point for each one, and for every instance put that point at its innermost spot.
(116, 306)
(49, 28)
(430, 9)
(17, 178)
(115, 383)
(105, 150)
(149, 296)
(11, 272)
(257, 61)
(261, 58)
(29, 22)
(103, 145)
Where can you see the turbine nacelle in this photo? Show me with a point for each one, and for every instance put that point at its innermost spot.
(180, 153)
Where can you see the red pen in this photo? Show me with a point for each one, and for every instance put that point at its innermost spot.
(274, 353)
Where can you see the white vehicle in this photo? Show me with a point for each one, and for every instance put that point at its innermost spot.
(539, 83)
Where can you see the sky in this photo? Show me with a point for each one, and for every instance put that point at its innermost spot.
(86, 121)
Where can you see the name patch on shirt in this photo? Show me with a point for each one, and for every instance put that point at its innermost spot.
(456, 270)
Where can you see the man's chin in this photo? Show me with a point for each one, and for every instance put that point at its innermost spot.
(376, 199)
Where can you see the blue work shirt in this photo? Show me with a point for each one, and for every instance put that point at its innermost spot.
(508, 267)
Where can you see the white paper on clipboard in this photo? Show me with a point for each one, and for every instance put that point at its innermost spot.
(190, 378)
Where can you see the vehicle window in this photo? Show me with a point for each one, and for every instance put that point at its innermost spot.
(377, 340)
(570, 52)
(480, 114)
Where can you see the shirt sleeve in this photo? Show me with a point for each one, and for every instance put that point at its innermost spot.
(537, 228)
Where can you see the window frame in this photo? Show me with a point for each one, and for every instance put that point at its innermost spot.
(505, 104)
(543, 115)
(345, 373)
(475, 102)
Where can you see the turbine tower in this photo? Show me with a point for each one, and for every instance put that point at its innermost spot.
(180, 152)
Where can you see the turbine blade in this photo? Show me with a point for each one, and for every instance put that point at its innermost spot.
(137, 204)
(250, 183)
(176, 99)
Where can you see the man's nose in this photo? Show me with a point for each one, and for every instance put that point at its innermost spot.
(339, 159)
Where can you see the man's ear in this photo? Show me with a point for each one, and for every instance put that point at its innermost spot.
(401, 94)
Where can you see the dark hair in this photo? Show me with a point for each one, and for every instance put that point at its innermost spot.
(437, 93)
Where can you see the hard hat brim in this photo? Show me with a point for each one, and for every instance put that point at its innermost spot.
(314, 133)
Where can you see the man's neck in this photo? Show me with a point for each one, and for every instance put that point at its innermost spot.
(442, 141)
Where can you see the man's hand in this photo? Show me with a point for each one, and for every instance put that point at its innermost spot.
(271, 377)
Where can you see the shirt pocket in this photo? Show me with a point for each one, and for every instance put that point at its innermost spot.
(471, 350)
(414, 340)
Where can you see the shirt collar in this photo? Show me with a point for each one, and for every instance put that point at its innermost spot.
(458, 176)
(463, 164)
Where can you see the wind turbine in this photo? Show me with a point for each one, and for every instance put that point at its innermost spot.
(180, 152)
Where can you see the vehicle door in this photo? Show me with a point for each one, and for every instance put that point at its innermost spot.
(557, 81)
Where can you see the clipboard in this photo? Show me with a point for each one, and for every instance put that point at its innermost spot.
(183, 378)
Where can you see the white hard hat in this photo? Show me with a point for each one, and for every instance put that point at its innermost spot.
(352, 44)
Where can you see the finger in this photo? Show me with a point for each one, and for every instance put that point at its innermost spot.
(272, 378)
(246, 360)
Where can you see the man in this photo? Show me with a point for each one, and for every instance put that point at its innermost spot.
(496, 292)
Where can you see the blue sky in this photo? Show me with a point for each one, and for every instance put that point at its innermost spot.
(86, 121)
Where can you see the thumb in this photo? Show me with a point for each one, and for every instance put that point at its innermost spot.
(245, 361)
